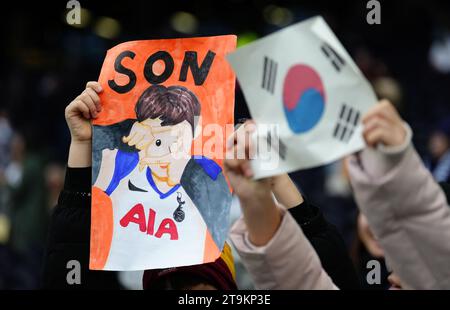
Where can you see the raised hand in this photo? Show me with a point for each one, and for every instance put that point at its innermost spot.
(383, 124)
(80, 112)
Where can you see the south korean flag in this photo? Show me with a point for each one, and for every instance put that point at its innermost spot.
(306, 95)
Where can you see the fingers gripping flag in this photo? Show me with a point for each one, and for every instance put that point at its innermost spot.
(302, 80)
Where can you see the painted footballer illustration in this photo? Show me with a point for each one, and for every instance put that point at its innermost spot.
(158, 201)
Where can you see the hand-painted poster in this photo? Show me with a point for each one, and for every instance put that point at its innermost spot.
(159, 197)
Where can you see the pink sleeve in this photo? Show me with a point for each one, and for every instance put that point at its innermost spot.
(408, 213)
(288, 261)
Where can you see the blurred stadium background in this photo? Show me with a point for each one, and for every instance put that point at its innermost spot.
(45, 63)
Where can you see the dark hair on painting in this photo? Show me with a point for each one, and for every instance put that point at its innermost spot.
(173, 105)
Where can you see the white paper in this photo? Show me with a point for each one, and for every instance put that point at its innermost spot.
(300, 78)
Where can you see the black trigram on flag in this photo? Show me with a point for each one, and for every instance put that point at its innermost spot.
(269, 74)
(336, 60)
(276, 143)
(348, 119)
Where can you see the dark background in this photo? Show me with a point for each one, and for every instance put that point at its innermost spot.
(45, 63)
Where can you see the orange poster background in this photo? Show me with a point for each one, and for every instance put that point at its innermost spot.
(216, 94)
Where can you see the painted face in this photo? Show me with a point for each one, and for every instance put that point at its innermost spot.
(165, 147)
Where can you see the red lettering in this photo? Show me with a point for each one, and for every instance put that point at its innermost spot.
(167, 226)
(135, 215)
(151, 223)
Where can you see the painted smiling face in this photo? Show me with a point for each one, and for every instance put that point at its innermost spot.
(166, 147)
(163, 133)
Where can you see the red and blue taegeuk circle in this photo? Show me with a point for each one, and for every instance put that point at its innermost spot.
(303, 98)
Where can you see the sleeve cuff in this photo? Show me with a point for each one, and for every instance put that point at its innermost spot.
(303, 211)
(394, 150)
(78, 179)
(310, 219)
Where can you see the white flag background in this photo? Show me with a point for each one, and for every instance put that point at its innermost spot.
(302, 79)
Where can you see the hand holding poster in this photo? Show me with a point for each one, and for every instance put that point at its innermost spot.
(159, 198)
(302, 79)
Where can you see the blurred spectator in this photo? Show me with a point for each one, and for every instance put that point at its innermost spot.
(6, 134)
(438, 161)
(440, 54)
(54, 181)
(342, 211)
(25, 176)
(368, 249)
(367, 238)
(389, 88)
(339, 207)
(371, 66)
(28, 214)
